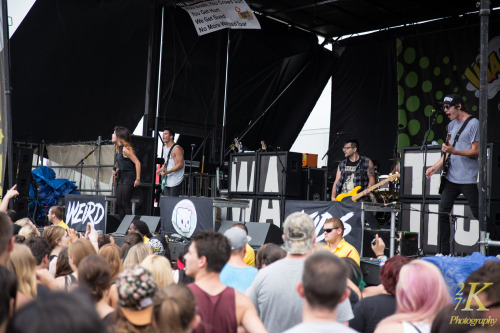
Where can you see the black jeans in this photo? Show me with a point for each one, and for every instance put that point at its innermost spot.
(450, 194)
(173, 191)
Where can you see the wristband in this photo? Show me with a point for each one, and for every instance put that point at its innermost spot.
(379, 255)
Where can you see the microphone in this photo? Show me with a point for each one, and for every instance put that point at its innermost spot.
(437, 110)
(390, 204)
(103, 141)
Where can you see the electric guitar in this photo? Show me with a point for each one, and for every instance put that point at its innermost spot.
(354, 196)
(446, 165)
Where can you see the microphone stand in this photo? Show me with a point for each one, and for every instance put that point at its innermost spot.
(190, 170)
(335, 139)
(424, 179)
(82, 162)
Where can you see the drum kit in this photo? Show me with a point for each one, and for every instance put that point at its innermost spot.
(386, 193)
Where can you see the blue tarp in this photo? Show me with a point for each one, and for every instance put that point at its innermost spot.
(50, 190)
(458, 269)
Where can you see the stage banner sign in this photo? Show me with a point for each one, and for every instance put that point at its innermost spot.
(186, 216)
(320, 211)
(431, 66)
(84, 209)
(210, 16)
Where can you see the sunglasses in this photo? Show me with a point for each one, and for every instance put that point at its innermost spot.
(328, 230)
(446, 107)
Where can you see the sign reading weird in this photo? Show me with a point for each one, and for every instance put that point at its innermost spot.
(210, 16)
(83, 209)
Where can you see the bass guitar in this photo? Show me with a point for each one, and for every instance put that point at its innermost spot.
(354, 195)
(446, 166)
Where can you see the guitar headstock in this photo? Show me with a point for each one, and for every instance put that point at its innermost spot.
(393, 177)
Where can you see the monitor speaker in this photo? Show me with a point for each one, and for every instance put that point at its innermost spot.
(263, 233)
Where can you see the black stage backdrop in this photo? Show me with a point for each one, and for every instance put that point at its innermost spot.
(364, 101)
(261, 64)
(434, 65)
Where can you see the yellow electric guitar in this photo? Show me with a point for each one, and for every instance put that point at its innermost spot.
(354, 193)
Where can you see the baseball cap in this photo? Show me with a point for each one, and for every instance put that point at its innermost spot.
(237, 238)
(452, 99)
(136, 288)
(299, 233)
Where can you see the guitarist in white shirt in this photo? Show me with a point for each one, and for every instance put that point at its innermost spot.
(462, 172)
(173, 169)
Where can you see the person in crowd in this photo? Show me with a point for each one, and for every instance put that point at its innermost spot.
(141, 228)
(136, 255)
(76, 253)
(159, 246)
(354, 280)
(249, 258)
(63, 267)
(8, 295)
(221, 308)
(11, 193)
(127, 170)
(130, 240)
(58, 239)
(40, 249)
(336, 244)
(6, 238)
(267, 254)
(112, 254)
(462, 167)
(28, 229)
(173, 169)
(104, 239)
(323, 286)
(58, 312)
(55, 215)
(22, 263)
(19, 239)
(94, 273)
(490, 296)
(236, 273)
(180, 274)
(136, 288)
(273, 290)
(161, 269)
(355, 170)
(371, 310)
(174, 310)
(420, 294)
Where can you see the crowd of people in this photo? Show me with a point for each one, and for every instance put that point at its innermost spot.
(61, 281)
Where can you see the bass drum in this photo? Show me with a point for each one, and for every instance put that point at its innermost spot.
(381, 198)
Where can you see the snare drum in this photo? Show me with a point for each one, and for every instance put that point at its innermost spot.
(385, 187)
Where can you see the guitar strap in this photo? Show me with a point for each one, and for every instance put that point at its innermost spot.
(461, 130)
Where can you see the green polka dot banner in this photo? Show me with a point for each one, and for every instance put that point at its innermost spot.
(432, 66)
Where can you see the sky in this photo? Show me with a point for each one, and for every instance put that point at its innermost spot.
(313, 139)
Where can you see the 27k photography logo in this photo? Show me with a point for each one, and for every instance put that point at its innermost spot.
(472, 303)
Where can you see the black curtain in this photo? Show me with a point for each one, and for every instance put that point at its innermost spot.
(261, 64)
(364, 101)
(79, 68)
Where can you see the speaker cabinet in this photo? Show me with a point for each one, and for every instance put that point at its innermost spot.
(146, 153)
(313, 184)
(144, 195)
(279, 174)
(242, 173)
(263, 233)
(23, 159)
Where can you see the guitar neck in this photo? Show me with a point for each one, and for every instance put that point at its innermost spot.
(369, 189)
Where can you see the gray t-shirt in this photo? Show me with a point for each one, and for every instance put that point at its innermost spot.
(463, 170)
(323, 327)
(274, 294)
